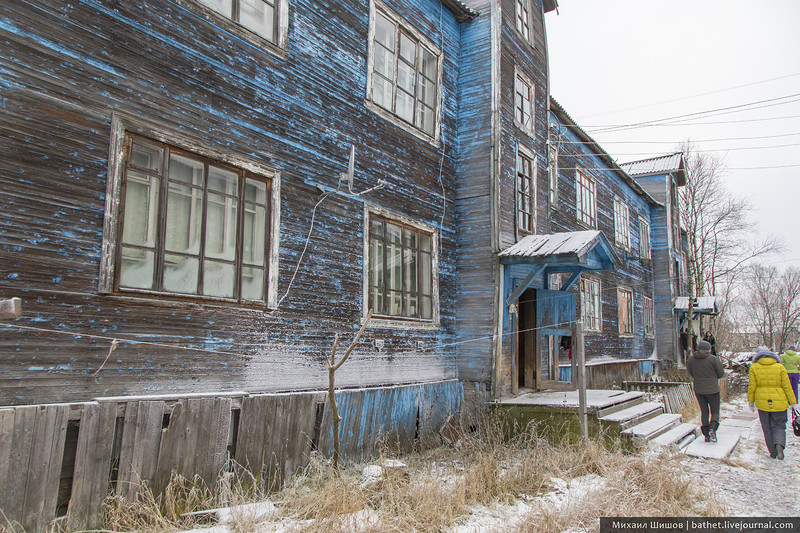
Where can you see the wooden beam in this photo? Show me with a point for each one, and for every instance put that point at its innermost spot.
(11, 308)
(524, 285)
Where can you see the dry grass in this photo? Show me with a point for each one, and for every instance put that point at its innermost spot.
(691, 412)
(439, 487)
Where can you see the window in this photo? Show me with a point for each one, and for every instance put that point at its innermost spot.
(586, 193)
(522, 19)
(526, 193)
(404, 75)
(622, 232)
(523, 103)
(590, 304)
(644, 240)
(625, 311)
(265, 18)
(191, 226)
(401, 266)
(649, 316)
(552, 171)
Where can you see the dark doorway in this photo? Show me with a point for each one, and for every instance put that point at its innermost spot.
(526, 350)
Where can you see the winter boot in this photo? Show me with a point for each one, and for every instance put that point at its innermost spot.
(712, 431)
(704, 429)
(779, 450)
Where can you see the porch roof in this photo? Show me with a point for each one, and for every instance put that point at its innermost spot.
(705, 305)
(582, 250)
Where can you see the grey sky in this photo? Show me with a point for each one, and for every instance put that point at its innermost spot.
(616, 62)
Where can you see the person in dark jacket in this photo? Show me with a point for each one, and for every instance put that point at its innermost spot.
(712, 341)
(705, 371)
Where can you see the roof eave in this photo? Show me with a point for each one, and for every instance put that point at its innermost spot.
(462, 12)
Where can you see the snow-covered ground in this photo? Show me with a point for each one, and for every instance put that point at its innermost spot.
(748, 483)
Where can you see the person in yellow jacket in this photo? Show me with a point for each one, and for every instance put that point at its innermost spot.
(791, 361)
(769, 391)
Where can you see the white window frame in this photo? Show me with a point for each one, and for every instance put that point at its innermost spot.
(625, 304)
(522, 197)
(591, 304)
(112, 238)
(523, 20)
(585, 199)
(523, 106)
(402, 27)
(648, 316)
(227, 23)
(399, 322)
(622, 224)
(552, 175)
(645, 249)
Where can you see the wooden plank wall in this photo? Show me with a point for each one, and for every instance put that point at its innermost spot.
(151, 439)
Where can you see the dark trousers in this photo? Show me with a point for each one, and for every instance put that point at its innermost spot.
(709, 405)
(773, 424)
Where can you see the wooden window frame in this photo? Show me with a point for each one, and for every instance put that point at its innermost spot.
(622, 224)
(229, 23)
(525, 204)
(523, 20)
(648, 316)
(585, 199)
(124, 128)
(625, 307)
(401, 321)
(422, 44)
(523, 101)
(591, 300)
(552, 175)
(645, 248)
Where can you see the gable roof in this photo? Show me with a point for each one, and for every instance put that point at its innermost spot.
(592, 145)
(587, 250)
(664, 164)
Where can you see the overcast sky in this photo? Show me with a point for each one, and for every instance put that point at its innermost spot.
(617, 62)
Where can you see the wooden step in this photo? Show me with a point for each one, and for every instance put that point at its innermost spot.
(676, 435)
(653, 427)
(620, 402)
(632, 416)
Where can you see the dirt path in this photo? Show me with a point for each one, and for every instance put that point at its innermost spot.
(750, 483)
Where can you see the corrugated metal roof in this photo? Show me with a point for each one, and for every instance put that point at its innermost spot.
(705, 304)
(462, 11)
(657, 165)
(573, 242)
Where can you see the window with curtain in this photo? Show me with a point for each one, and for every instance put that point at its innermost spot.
(191, 226)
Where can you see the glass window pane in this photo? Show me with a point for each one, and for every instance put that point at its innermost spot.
(377, 227)
(184, 206)
(254, 235)
(408, 49)
(181, 274)
(384, 62)
(426, 308)
(382, 92)
(255, 191)
(141, 209)
(428, 65)
(252, 283)
(137, 268)
(384, 31)
(405, 106)
(376, 263)
(425, 242)
(222, 180)
(411, 305)
(410, 270)
(395, 303)
(425, 282)
(394, 256)
(425, 119)
(259, 17)
(405, 77)
(146, 157)
(221, 6)
(427, 91)
(186, 170)
(218, 279)
(221, 215)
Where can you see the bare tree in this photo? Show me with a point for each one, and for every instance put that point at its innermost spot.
(722, 239)
(772, 304)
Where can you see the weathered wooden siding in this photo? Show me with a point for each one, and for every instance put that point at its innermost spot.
(67, 67)
(633, 273)
(149, 438)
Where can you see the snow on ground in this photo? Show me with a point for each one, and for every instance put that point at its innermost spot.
(749, 483)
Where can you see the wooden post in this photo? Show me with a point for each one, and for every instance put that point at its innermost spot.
(580, 361)
(11, 308)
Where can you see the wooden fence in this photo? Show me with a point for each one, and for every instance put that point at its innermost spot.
(60, 461)
(674, 394)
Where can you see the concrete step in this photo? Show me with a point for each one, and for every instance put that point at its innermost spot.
(620, 402)
(727, 439)
(653, 427)
(676, 435)
(632, 416)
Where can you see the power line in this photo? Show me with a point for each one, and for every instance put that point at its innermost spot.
(693, 140)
